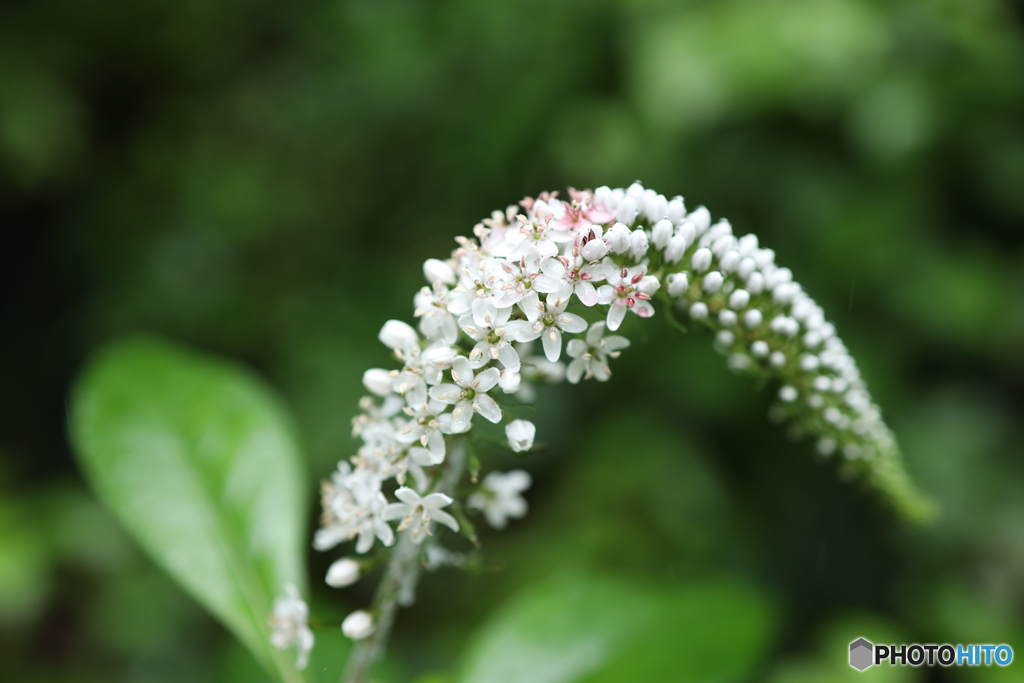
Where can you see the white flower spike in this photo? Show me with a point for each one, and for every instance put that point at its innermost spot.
(527, 274)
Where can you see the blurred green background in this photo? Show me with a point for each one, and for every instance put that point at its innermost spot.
(263, 180)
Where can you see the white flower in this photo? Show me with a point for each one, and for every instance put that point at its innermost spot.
(353, 504)
(289, 624)
(398, 335)
(549, 328)
(469, 393)
(628, 290)
(520, 435)
(343, 572)
(499, 497)
(590, 357)
(417, 512)
(564, 276)
(358, 625)
(493, 340)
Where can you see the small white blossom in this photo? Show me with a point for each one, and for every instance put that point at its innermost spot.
(499, 497)
(590, 357)
(289, 625)
(469, 393)
(417, 512)
(549, 327)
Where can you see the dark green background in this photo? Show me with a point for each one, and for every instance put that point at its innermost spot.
(263, 180)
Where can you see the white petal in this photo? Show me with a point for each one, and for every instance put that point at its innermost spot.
(407, 495)
(572, 323)
(615, 316)
(552, 342)
(576, 348)
(508, 356)
(486, 406)
(445, 393)
(442, 517)
(575, 370)
(462, 371)
(486, 380)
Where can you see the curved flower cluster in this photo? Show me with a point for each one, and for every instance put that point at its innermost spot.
(540, 271)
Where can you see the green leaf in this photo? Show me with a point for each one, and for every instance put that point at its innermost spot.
(199, 461)
(578, 628)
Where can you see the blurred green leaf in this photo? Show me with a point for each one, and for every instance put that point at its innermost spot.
(577, 627)
(200, 463)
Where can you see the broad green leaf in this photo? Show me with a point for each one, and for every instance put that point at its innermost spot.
(577, 628)
(199, 461)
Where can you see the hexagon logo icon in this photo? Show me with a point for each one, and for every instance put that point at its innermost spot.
(861, 651)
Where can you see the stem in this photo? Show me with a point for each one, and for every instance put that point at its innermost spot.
(402, 571)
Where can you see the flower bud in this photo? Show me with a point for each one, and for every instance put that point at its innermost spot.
(753, 318)
(638, 244)
(377, 381)
(398, 335)
(436, 270)
(358, 625)
(755, 283)
(676, 210)
(661, 233)
(509, 381)
(678, 283)
(343, 572)
(712, 282)
(701, 260)
(594, 250)
(676, 248)
(699, 311)
(627, 211)
(520, 435)
(617, 238)
(739, 299)
(701, 219)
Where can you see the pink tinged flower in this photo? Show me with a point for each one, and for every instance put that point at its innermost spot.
(590, 245)
(289, 625)
(468, 394)
(549, 328)
(417, 512)
(520, 435)
(564, 276)
(500, 497)
(590, 356)
(630, 290)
